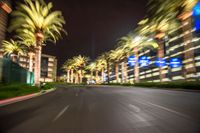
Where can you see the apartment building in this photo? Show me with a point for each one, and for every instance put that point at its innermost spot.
(5, 9)
(48, 66)
(182, 43)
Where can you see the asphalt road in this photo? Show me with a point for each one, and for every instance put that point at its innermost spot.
(104, 110)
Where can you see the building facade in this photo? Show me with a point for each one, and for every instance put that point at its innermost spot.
(183, 44)
(48, 66)
(5, 9)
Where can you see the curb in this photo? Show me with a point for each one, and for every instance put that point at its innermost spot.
(23, 98)
(154, 88)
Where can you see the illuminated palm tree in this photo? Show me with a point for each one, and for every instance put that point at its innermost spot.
(67, 66)
(13, 49)
(92, 67)
(80, 62)
(102, 63)
(117, 55)
(75, 68)
(158, 29)
(36, 19)
(186, 20)
(123, 53)
(132, 44)
(171, 9)
(98, 68)
(105, 58)
(29, 42)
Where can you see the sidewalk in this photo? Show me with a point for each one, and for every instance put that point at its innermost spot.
(22, 98)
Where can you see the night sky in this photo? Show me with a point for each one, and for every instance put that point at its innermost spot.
(94, 26)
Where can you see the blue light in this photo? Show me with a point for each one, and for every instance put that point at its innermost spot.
(175, 63)
(160, 62)
(132, 61)
(196, 9)
(144, 61)
(197, 25)
(196, 16)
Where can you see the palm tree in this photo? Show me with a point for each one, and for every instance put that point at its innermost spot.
(134, 42)
(101, 63)
(114, 58)
(98, 68)
(13, 49)
(67, 66)
(124, 52)
(29, 42)
(80, 63)
(126, 46)
(169, 10)
(186, 20)
(106, 58)
(36, 18)
(158, 29)
(117, 55)
(92, 67)
(75, 68)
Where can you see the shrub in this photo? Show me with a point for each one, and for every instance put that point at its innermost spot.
(46, 86)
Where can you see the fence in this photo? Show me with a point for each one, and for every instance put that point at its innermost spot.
(11, 72)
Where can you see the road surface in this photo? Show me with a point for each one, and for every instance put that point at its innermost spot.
(104, 110)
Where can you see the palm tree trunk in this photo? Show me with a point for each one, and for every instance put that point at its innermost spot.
(108, 71)
(37, 70)
(136, 67)
(189, 55)
(102, 75)
(125, 72)
(18, 59)
(161, 55)
(96, 76)
(91, 75)
(14, 58)
(72, 76)
(68, 76)
(81, 76)
(76, 78)
(117, 72)
(122, 72)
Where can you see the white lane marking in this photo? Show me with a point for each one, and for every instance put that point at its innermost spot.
(135, 108)
(167, 109)
(61, 113)
(140, 118)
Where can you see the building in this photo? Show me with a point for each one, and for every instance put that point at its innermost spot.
(48, 66)
(48, 63)
(5, 9)
(183, 44)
